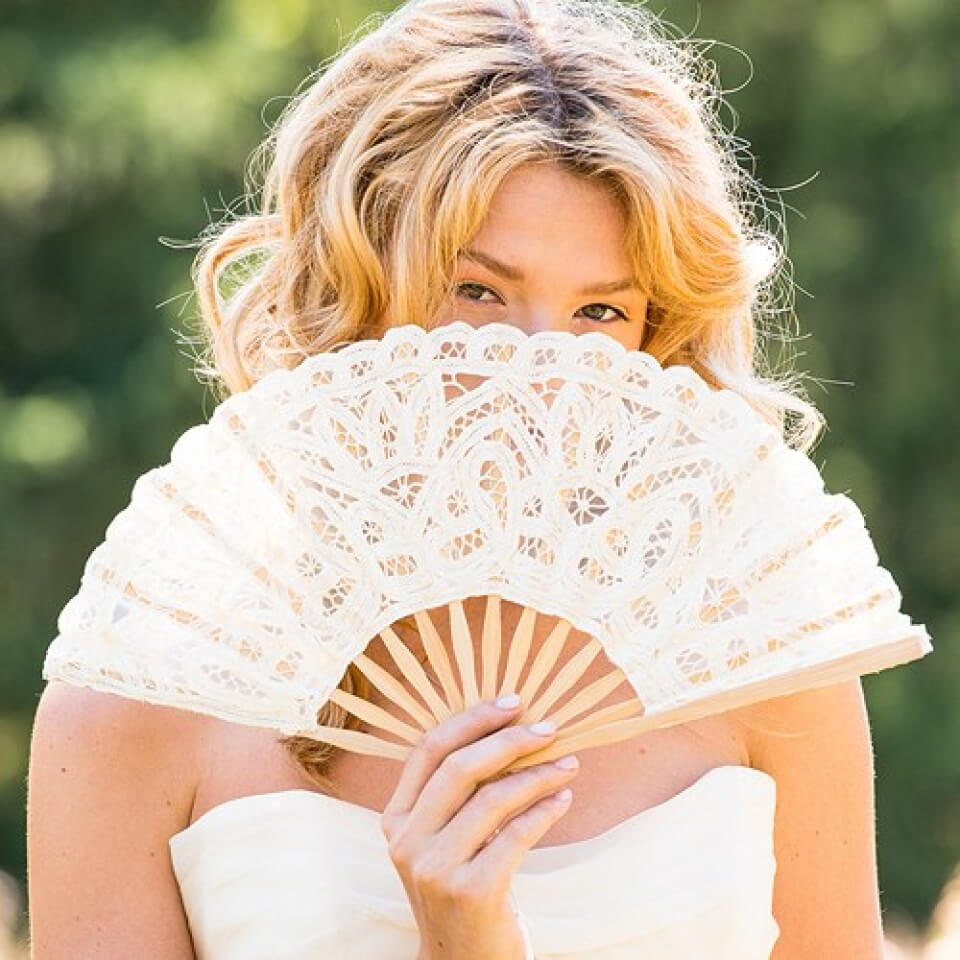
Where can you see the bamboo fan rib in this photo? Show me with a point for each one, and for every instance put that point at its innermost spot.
(462, 689)
(606, 725)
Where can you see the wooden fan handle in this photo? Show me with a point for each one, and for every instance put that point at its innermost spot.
(616, 723)
(855, 664)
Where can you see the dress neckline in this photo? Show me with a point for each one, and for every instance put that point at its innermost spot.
(543, 858)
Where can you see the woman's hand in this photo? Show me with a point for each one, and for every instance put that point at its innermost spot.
(439, 823)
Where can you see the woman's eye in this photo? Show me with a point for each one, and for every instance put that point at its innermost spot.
(475, 286)
(618, 314)
(603, 307)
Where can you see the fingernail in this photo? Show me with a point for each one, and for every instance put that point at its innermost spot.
(569, 762)
(543, 727)
(508, 701)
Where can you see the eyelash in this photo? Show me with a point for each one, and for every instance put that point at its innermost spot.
(483, 286)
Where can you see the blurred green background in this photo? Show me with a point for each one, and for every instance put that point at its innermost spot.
(122, 125)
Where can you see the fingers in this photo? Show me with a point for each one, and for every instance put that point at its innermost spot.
(432, 750)
(503, 855)
(463, 771)
(453, 793)
(523, 796)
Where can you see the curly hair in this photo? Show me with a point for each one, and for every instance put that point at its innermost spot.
(385, 166)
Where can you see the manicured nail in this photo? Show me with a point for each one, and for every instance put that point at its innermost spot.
(508, 701)
(543, 727)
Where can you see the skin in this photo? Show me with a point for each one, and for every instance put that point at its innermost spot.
(457, 832)
(563, 234)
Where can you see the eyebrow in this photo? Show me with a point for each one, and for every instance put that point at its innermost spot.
(512, 273)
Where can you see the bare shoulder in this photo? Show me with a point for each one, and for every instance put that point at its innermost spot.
(803, 733)
(816, 744)
(767, 724)
(111, 779)
(130, 740)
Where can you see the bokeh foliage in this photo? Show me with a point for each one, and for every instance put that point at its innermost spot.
(121, 125)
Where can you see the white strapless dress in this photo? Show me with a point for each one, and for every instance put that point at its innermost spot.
(299, 875)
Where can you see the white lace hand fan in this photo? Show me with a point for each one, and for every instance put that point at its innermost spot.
(666, 521)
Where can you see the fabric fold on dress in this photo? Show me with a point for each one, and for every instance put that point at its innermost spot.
(295, 875)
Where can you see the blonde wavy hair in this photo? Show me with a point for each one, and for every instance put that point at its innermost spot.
(385, 165)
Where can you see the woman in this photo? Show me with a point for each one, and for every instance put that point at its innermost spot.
(549, 165)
